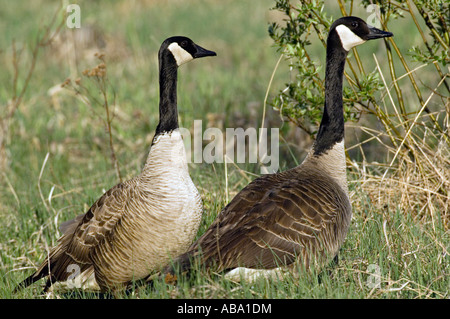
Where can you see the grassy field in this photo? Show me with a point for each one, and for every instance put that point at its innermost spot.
(57, 158)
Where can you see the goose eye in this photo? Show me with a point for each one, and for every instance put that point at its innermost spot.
(354, 24)
(184, 44)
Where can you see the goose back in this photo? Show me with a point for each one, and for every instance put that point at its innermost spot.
(300, 214)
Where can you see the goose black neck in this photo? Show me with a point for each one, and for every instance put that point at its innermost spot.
(168, 112)
(331, 130)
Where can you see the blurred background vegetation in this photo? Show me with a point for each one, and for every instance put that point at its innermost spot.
(55, 151)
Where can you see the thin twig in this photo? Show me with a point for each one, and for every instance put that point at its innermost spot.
(265, 99)
(39, 180)
(411, 127)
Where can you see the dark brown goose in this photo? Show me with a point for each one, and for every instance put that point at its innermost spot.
(300, 214)
(138, 225)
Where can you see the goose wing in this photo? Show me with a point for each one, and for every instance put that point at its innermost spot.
(273, 221)
(83, 233)
(92, 227)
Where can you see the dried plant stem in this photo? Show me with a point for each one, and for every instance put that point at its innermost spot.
(109, 119)
(393, 74)
(413, 82)
(44, 163)
(99, 77)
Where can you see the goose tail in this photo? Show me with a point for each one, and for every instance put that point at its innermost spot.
(41, 273)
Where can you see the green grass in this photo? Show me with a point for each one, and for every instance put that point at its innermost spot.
(411, 253)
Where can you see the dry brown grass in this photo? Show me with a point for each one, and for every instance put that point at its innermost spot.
(416, 180)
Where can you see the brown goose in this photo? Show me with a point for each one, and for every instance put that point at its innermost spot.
(301, 214)
(137, 225)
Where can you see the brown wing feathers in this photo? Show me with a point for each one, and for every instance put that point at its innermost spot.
(270, 226)
(79, 235)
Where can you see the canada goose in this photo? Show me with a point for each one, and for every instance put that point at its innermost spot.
(138, 225)
(300, 214)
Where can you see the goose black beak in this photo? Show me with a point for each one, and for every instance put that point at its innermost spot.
(375, 33)
(202, 52)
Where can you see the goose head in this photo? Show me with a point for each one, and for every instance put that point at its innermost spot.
(353, 31)
(183, 50)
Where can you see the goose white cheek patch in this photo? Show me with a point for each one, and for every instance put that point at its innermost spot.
(181, 55)
(348, 38)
